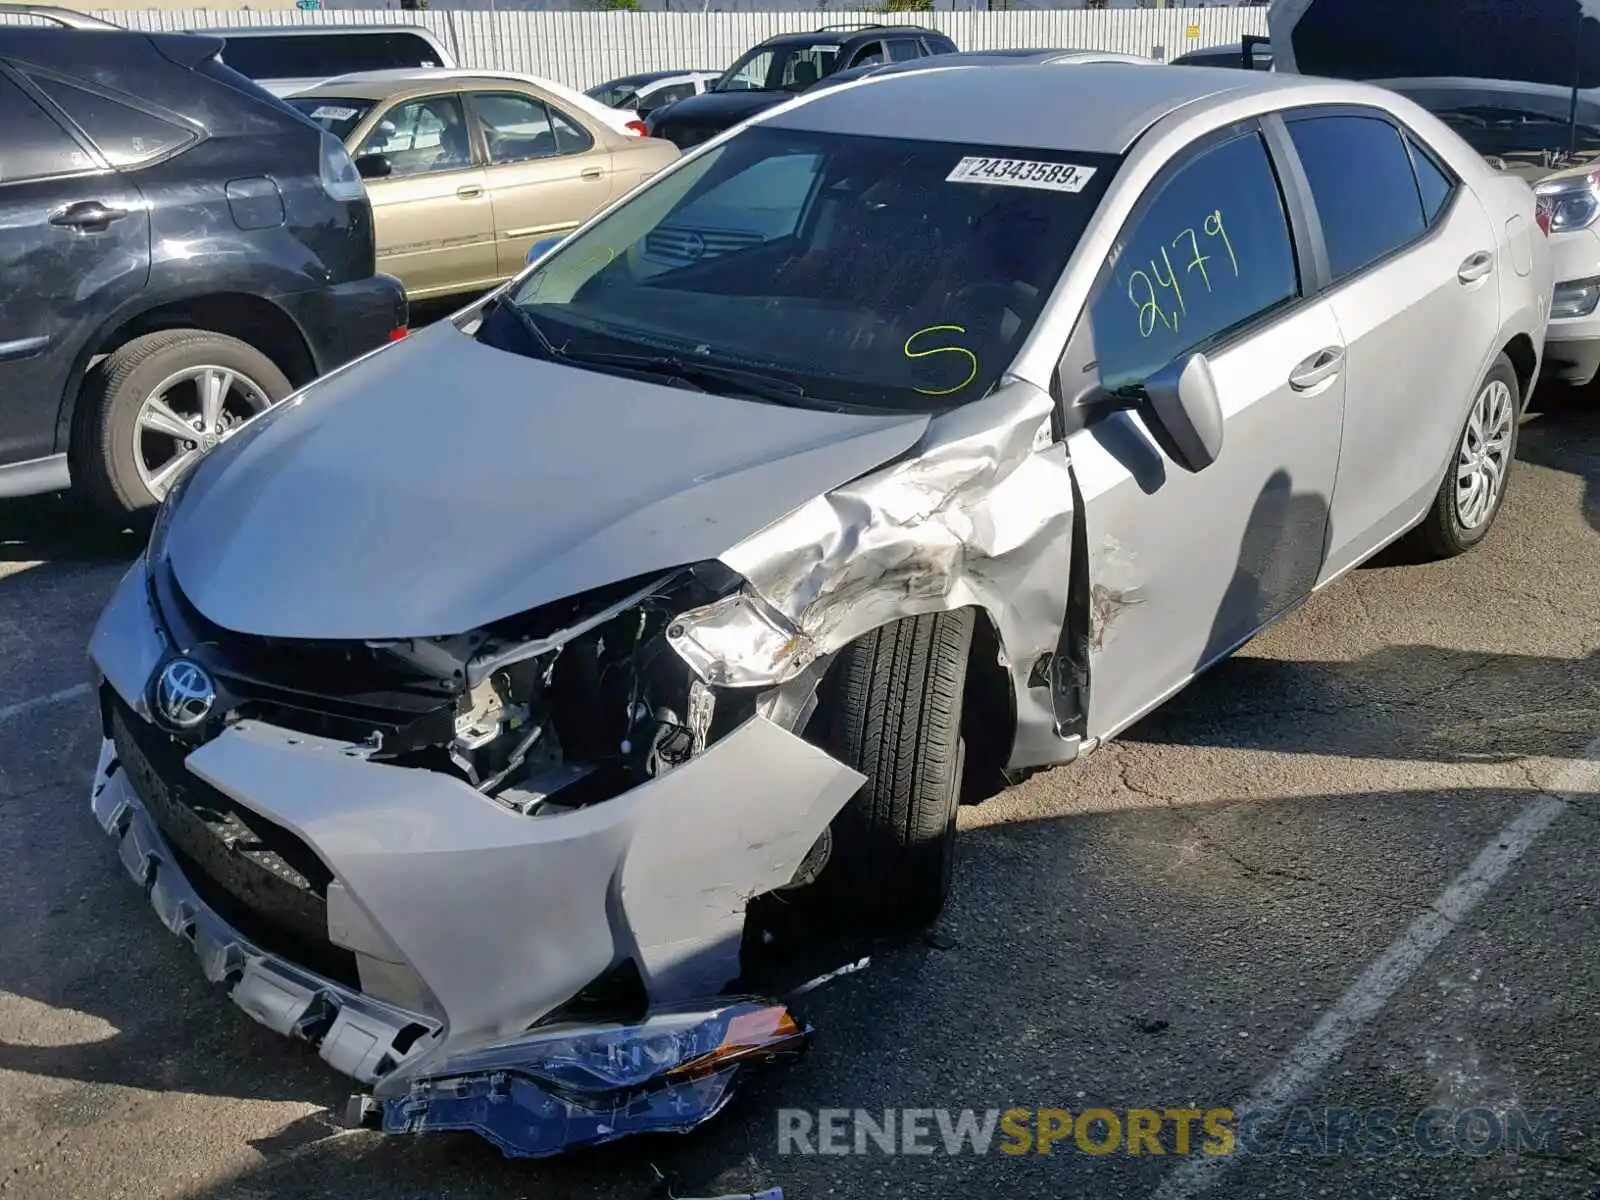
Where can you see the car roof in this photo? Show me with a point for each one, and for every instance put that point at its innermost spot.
(380, 85)
(1023, 105)
(641, 77)
(226, 31)
(842, 33)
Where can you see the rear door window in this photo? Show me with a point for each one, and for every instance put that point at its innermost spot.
(904, 49)
(1366, 192)
(1211, 252)
(126, 136)
(34, 145)
(322, 55)
(517, 128)
(869, 55)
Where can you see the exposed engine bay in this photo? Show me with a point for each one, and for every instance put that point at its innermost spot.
(586, 697)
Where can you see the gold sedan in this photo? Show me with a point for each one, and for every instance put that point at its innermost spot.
(467, 170)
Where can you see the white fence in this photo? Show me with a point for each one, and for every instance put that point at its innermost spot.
(582, 49)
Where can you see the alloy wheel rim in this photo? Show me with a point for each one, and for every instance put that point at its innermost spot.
(186, 414)
(1484, 455)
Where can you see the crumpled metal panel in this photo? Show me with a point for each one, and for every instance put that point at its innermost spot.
(978, 513)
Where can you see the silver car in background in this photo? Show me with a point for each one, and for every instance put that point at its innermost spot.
(469, 709)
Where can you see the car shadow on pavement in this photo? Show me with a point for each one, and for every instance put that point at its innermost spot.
(60, 528)
(1417, 703)
(1564, 435)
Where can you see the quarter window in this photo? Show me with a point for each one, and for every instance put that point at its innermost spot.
(421, 137)
(1362, 181)
(1209, 253)
(1432, 182)
(34, 146)
(517, 128)
(126, 136)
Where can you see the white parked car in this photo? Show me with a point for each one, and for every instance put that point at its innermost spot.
(462, 708)
(642, 94)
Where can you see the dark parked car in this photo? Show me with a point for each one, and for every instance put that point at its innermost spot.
(782, 67)
(180, 250)
(1252, 54)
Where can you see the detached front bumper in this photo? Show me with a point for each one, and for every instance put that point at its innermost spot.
(467, 922)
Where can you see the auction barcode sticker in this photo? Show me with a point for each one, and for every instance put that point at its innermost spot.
(1022, 172)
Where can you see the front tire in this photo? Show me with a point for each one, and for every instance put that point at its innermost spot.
(1474, 485)
(153, 406)
(891, 708)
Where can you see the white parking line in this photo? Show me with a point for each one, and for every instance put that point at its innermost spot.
(23, 706)
(1391, 971)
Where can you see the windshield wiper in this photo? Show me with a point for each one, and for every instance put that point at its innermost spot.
(530, 327)
(756, 383)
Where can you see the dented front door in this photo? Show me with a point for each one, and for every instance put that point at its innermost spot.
(1185, 566)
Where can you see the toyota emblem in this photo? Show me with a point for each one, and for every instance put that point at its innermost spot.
(184, 694)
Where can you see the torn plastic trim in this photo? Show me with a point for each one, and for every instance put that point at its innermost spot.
(353, 1033)
(979, 513)
(562, 1089)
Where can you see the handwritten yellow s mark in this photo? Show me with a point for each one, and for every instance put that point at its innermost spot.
(971, 358)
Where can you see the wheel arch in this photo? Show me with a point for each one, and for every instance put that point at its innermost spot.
(1524, 358)
(254, 320)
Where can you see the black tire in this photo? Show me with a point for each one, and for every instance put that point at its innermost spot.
(891, 708)
(105, 430)
(1442, 534)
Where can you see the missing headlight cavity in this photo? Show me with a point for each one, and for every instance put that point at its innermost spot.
(585, 698)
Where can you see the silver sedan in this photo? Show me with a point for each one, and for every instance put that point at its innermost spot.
(486, 712)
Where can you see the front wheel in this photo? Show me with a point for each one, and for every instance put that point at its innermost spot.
(891, 708)
(1474, 485)
(153, 406)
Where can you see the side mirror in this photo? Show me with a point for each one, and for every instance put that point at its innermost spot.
(1186, 416)
(374, 166)
(543, 246)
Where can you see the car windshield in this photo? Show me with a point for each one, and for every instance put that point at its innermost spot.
(335, 114)
(838, 270)
(791, 68)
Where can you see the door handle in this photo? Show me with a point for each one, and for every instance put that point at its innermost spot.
(1323, 365)
(591, 172)
(470, 191)
(1475, 267)
(88, 216)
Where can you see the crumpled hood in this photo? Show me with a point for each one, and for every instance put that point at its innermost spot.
(443, 484)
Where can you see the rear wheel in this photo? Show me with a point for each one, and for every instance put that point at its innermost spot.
(891, 708)
(1474, 485)
(153, 406)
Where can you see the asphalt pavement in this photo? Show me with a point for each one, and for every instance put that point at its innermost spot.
(1355, 870)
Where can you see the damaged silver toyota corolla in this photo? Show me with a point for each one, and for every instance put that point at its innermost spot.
(468, 708)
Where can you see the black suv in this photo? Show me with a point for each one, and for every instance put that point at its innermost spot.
(179, 249)
(784, 66)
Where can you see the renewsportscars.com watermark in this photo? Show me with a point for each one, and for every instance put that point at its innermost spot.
(1431, 1133)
